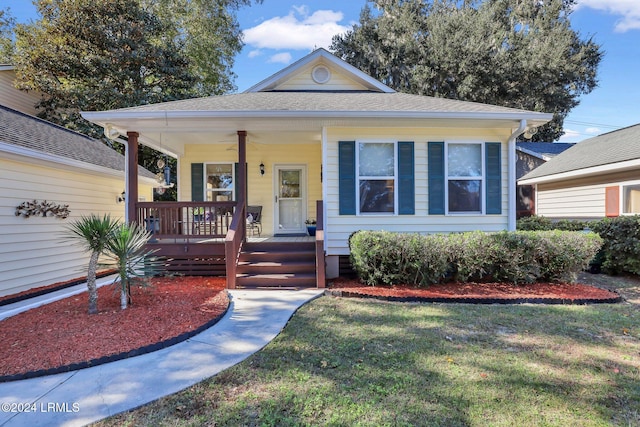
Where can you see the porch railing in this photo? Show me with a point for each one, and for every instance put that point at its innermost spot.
(173, 220)
(233, 243)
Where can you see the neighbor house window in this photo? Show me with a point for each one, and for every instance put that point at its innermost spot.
(219, 182)
(376, 173)
(631, 199)
(465, 177)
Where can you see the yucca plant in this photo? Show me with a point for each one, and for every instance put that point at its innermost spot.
(126, 251)
(92, 232)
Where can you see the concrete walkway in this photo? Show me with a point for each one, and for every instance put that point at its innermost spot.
(80, 397)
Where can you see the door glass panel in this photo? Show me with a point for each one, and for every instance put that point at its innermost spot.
(290, 200)
(289, 183)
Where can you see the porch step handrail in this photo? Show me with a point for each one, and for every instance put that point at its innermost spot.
(233, 242)
(320, 256)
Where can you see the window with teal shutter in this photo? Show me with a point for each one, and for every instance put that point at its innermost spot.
(493, 163)
(347, 177)
(406, 179)
(436, 177)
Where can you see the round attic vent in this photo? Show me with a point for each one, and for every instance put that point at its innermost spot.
(321, 74)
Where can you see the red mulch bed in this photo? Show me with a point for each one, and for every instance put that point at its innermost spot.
(494, 293)
(61, 336)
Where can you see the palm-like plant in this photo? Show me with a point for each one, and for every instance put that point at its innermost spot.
(126, 249)
(92, 232)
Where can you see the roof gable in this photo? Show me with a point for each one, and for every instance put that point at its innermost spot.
(320, 71)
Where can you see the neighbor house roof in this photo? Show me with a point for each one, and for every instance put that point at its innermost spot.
(544, 150)
(25, 135)
(611, 152)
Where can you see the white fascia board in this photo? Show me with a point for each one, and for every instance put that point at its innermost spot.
(102, 118)
(581, 173)
(25, 154)
(532, 153)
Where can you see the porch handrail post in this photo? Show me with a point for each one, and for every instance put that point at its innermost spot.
(131, 195)
(242, 178)
(321, 276)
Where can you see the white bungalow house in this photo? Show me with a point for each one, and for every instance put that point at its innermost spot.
(50, 176)
(595, 178)
(322, 140)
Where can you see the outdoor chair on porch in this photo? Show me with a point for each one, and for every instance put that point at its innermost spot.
(254, 214)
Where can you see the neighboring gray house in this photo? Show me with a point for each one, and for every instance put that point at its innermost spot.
(595, 178)
(45, 165)
(529, 156)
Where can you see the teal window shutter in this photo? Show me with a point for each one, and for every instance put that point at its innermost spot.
(436, 178)
(197, 182)
(347, 177)
(406, 179)
(493, 162)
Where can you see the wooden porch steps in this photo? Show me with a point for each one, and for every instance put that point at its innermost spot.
(277, 264)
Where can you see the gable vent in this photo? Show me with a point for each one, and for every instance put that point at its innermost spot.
(320, 74)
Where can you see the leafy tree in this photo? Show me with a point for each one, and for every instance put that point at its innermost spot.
(210, 37)
(126, 250)
(7, 23)
(98, 55)
(519, 54)
(92, 232)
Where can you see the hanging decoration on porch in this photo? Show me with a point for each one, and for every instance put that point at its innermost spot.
(42, 208)
(164, 176)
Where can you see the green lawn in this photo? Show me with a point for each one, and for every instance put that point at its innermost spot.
(349, 362)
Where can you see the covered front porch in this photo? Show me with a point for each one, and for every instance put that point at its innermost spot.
(217, 239)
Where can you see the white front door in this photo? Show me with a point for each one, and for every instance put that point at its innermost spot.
(290, 199)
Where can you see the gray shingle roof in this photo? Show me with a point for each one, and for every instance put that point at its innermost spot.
(340, 101)
(30, 132)
(607, 149)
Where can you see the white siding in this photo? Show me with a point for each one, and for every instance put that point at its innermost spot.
(339, 227)
(32, 251)
(575, 202)
(13, 98)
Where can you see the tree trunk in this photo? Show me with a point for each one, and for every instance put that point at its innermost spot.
(123, 295)
(91, 282)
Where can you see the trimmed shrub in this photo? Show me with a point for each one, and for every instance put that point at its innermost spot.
(381, 257)
(621, 248)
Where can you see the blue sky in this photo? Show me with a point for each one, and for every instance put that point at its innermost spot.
(279, 32)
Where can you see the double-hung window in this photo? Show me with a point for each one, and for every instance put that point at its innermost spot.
(377, 177)
(219, 182)
(465, 177)
(631, 199)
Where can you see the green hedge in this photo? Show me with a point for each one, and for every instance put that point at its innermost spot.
(381, 257)
(620, 251)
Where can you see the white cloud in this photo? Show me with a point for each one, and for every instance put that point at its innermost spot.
(254, 53)
(297, 31)
(283, 58)
(570, 135)
(593, 131)
(628, 9)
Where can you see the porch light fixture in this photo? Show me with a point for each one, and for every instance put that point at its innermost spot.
(122, 197)
(261, 168)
